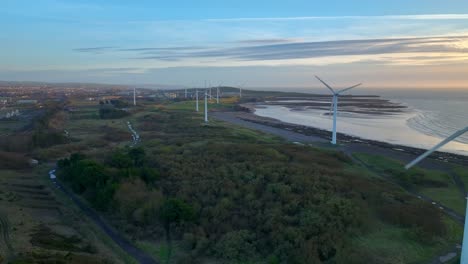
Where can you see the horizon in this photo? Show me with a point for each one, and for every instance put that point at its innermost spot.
(395, 45)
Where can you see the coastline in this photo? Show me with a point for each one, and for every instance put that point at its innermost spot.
(247, 113)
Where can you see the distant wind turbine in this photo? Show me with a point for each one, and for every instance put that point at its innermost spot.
(134, 96)
(196, 96)
(206, 106)
(464, 251)
(335, 104)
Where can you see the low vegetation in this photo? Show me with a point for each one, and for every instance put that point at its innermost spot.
(235, 196)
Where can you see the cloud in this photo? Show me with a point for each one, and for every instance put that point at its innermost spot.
(95, 50)
(428, 47)
(176, 48)
(388, 17)
(266, 41)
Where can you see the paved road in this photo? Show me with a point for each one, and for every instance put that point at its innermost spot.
(286, 134)
(128, 247)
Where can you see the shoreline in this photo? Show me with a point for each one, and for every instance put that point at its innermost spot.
(247, 113)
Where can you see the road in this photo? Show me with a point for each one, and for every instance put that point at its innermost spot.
(123, 243)
(286, 134)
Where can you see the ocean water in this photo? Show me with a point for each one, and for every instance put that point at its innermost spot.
(431, 116)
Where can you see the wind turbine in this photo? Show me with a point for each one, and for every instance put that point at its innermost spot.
(206, 106)
(134, 96)
(464, 251)
(335, 104)
(196, 96)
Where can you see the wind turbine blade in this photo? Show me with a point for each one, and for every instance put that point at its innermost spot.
(436, 147)
(324, 83)
(349, 88)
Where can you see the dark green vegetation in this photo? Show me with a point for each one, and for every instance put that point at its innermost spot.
(111, 112)
(224, 194)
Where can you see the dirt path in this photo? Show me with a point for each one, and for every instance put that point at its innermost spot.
(135, 136)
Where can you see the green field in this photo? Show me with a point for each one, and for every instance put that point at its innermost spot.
(437, 185)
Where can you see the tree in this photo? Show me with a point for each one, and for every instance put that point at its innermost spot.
(137, 155)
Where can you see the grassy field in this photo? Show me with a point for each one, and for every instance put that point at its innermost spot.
(41, 228)
(437, 185)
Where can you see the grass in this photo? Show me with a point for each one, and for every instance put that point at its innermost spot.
(449, 197)
(190, 105)
(9, 126)
(462, 172)
(434, 184)
(159, 251)
(395, 245)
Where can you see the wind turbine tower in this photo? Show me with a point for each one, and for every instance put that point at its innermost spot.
(196, 96)
(206, 107)
(464, 251)
(217, 95)
(134, 96)
(335, 104)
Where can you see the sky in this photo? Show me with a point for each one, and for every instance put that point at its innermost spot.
(383, 44)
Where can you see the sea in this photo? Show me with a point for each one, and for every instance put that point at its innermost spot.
(431, 115)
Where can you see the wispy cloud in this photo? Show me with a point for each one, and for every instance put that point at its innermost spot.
(95, 50)
(432, 47)
(388, 17)
(267, 41)
(176, 48)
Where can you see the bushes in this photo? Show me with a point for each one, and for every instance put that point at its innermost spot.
(237, 246)
(242, 200)
(89, 178)
(9, 160)
(176, 211)
(47, 138)
(109, 112)
(425, 221)
(138, 203)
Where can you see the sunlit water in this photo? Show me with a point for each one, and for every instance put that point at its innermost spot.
(426, 122)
